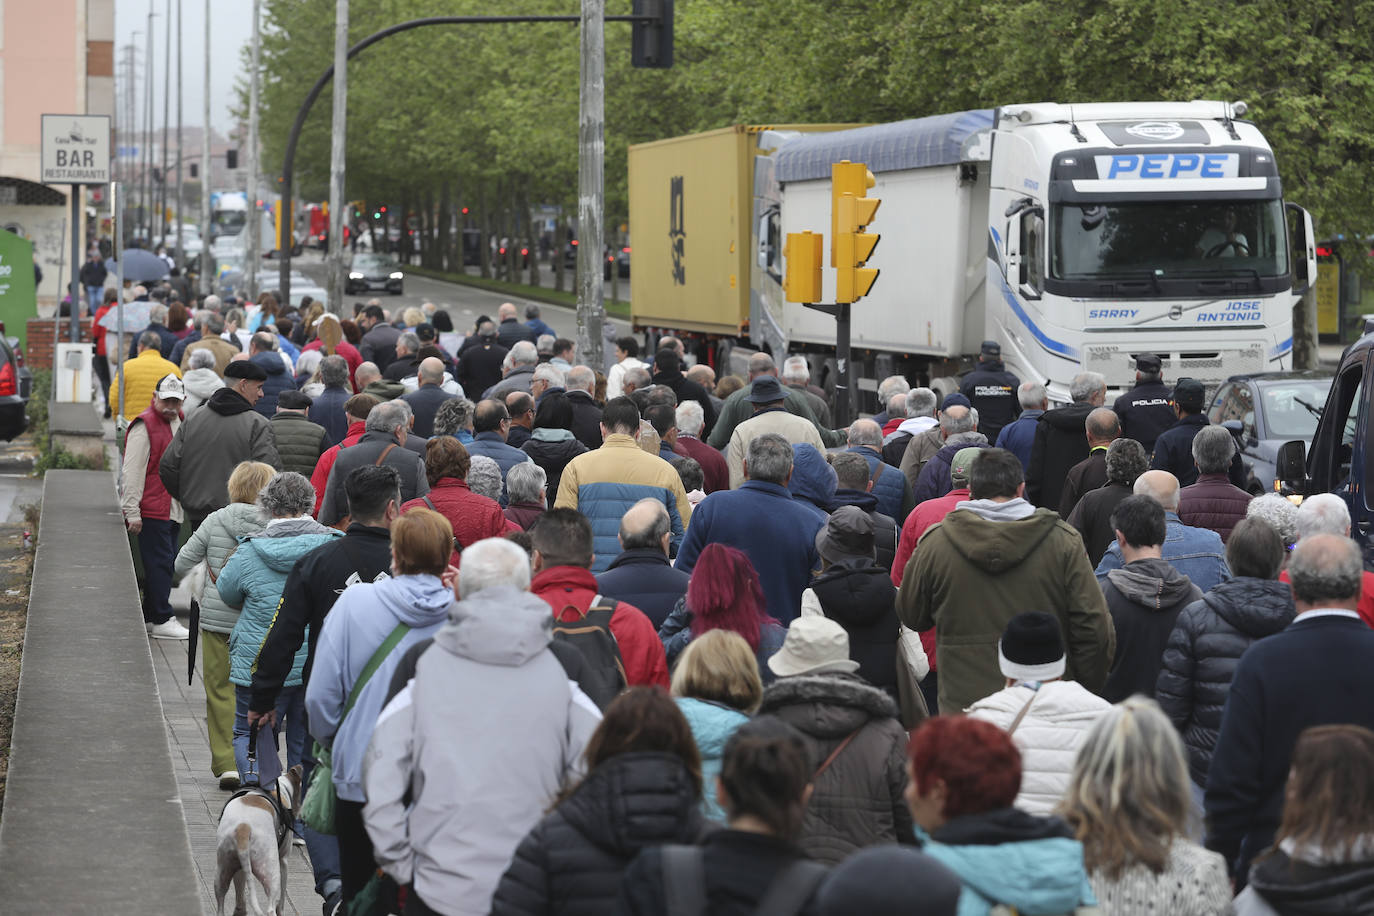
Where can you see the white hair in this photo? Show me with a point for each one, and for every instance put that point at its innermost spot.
(547, 372)
(1325, 513)
(1031, 395)
(795, 369)
(893, 384)
(1085, 385)
(690, 418)
(581, 378)
(523, 353)
(201, 359)
(491, 563)
(921, 402)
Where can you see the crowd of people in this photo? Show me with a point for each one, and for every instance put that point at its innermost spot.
(556, 638)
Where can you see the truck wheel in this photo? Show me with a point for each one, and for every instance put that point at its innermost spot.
(943, 385)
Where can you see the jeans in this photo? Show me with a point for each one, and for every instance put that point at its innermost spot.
(290, 716)
(94, 294)
(157, 544)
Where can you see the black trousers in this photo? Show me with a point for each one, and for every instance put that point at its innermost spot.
(416, 907)
(157, 544)
(356, 864)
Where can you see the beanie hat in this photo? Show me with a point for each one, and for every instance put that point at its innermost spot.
(1031, 648)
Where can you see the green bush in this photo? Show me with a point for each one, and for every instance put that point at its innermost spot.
(50, 457)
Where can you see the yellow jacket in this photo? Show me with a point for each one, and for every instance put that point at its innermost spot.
(143, 372)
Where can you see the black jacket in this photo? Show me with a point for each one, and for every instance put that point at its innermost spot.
(401, 367)
(643, 577)
(168, 344)
(379, 345)
(738, 867)
(688, 390)
(1145, 412)
(586, 419)
(1208, 639)
(884, 526)
(1084, 477)
(1296, 888)
(1144, 598)
(553, 457)
(574, 860)
(480, 367)
(1092, 518)
(1174, 452)
(424, 403)
(363, 554)
(510, 332)
(1060, 443)
(860, 596)
(93, 273)
(991, 389)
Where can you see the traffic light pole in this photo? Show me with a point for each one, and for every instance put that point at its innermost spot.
(845, 409)
(658, 18)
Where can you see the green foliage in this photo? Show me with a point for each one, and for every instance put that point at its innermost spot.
(491, 112)
(51, 456)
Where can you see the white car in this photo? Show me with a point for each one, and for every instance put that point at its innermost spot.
(302, 286)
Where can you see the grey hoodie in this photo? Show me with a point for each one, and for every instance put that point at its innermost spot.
(1144, 598)
(481, 740)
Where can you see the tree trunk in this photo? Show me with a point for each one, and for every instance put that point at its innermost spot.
(484, 243)
(1305, 352)
(441, 233)
(560, 239)
(533, 242)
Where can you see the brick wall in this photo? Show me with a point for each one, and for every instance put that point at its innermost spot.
(39, 343)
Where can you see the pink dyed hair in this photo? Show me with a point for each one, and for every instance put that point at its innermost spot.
(724, 594)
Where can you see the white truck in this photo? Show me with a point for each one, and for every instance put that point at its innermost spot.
(1075, 235)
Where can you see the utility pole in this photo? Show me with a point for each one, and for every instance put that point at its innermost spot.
(145, 216)
(591, 178)
(338, 207)
(181, 254)
(207, 269)
(252, 247)
(166, 119)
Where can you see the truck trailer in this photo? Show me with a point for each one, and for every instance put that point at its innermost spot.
(1076, 235)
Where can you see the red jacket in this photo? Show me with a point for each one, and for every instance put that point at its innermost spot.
(715, 471)
(320, 478)
(97, 331)
(640, 648)
(347, 351)
(156, 502)
(922, 519)
(1213, 503)
(473, 516)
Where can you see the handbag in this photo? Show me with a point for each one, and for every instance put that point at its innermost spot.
(317, 809)
(912, 668)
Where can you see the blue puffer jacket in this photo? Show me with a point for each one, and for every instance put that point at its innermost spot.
(254, 578)
(605, 504)
(890, 487)
(278, 380)
(813, 480)
(1014, 859)
(712, 725)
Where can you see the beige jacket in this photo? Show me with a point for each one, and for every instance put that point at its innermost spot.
(790, 426)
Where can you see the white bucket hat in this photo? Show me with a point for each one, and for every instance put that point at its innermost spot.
(814, 645)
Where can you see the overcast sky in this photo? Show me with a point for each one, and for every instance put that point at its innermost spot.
(231, 27)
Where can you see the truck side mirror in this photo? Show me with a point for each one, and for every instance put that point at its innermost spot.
(1303, 249)
(1290, 465)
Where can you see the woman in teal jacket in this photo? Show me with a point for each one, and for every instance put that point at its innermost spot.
(716, 684)
(963, 776)
(253, 580)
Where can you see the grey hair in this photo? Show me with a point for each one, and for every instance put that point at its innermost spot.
(1085, 385)
(548, 372)
(410, 340)
(1126, 461)
(201, 359)
(896, 405)
(1213, 448)
(651, 536)
(958, 419)
(149, 340)
(1325, 513)
(690, 418)
(893, 384)
(333, 370)
(388, 415)
(1166, 494)
(1325, 567)
(770, 459)
(213, 302)
(580, 378)
(795, 369)
(523, 353)
(453, 415)
(157, 314)
(851, 470)
(545, 342)
(866, 432)
(639, 377)
(1031, 395)
(1279, 513)
(921, 402)
(214, 323)
(491, 563)
(525, 482)
(309, 363)
(484, 477)
(287, 495)
(760, 363)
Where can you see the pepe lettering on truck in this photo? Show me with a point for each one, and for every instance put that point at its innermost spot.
(1077, 236)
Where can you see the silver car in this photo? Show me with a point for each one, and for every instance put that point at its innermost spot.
(1269, 409)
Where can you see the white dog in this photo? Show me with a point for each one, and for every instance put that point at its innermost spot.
(253, 839)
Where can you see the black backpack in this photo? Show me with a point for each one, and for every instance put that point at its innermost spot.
(684, 885)
(603, 670)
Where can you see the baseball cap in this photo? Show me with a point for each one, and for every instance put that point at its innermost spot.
(170, 388)
(963, 460)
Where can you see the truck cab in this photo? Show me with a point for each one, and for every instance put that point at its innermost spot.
(1341, 460)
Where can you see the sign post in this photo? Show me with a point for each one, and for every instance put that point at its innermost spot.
(76, 151)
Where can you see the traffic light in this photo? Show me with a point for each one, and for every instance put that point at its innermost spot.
(802, 251)
(231, 159)
(651, 40)
(852, 211)
(195, 169)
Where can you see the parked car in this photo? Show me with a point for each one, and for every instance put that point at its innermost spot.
(374, 271)
(1267, 409)
(16, 382)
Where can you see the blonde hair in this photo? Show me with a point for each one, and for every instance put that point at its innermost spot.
(412, 317)
(719, 666)
(248, 480)
(1128, 798)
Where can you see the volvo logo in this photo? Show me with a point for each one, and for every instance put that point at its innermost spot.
(1175, 312)
(1156, 130)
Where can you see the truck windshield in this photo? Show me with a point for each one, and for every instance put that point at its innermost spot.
(230, 222)
(1169, 240)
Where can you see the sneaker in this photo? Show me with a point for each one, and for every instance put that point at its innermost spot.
(333, 904)
(229, 780)
(148, 626)
(169, 629)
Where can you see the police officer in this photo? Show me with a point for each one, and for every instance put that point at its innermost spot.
(1173, 450)
(1145, 410)
(991, 389)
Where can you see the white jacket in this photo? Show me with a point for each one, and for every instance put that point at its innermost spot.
(1048, 737)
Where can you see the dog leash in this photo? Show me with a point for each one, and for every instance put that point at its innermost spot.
(251, 776)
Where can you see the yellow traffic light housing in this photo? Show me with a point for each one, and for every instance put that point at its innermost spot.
(853, 247)
(802, 251)
(845, 178)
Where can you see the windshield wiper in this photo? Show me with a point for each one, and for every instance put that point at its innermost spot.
(1315, 411)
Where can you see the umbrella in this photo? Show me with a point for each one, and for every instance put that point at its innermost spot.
(135, 317)
(140, 266)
